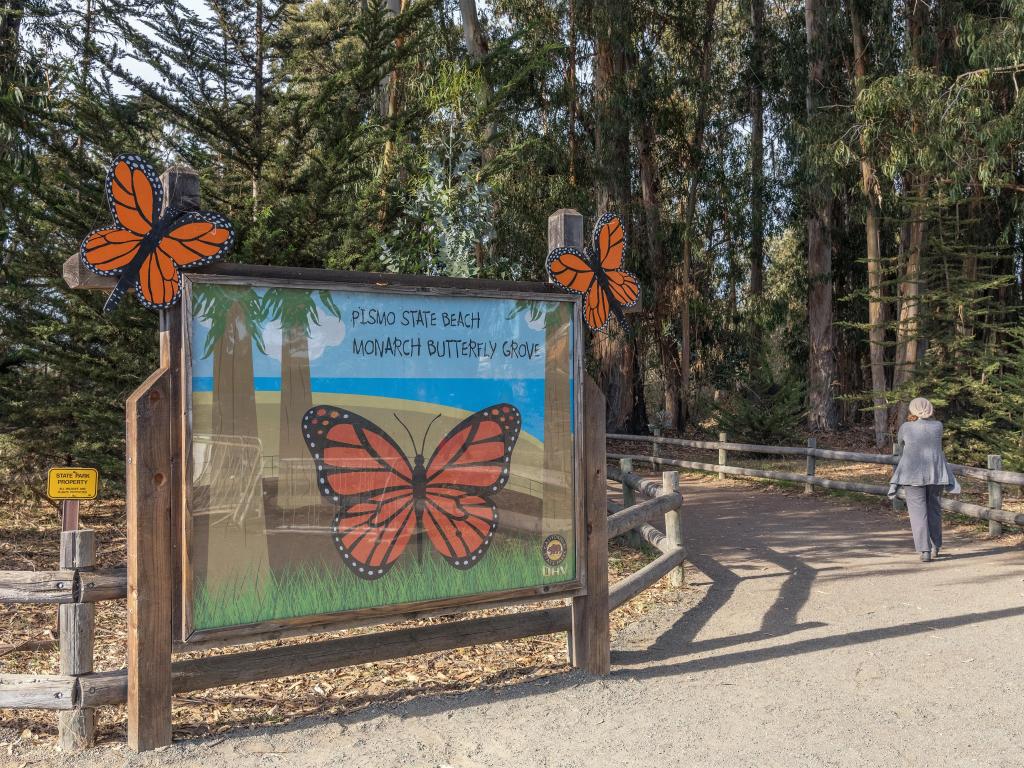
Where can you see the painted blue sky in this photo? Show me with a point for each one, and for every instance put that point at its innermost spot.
(413, 336)
(463, 352)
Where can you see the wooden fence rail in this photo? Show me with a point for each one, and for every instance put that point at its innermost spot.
(78, 691)
(663, 499)
(995, 476)
(66, 586)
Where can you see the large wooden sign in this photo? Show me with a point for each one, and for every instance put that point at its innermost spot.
(356, 452)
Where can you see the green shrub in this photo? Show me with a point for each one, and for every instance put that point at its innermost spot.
(766, 411)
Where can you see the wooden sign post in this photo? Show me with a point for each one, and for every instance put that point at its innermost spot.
(149, 485)
(590, 636)
(153, 481)
(76, 728)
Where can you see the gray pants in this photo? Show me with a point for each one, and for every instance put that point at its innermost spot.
(925, 515)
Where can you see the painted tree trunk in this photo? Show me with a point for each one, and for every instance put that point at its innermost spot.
(297, 485)
(557, 511)
(234, 514)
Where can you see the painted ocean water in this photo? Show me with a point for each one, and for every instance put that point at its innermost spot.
(469, 394)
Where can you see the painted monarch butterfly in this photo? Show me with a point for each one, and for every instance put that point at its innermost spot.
(385, 500)
(146, 249)
(597, 274)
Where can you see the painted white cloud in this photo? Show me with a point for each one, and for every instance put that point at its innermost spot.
(537, 323)
(329, 333)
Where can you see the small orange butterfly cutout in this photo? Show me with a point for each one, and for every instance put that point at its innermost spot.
(148, 246)
(597, 274)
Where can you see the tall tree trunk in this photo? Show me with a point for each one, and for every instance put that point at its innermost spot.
(756, 147)
(907, 329)
(650, 188)
(83, 83)
(11, 14)
(872, 224)
(688, 206)
(614, 351)
(571, 86)
(257, 110)
(822, 413)
(476, 45)
(389, 102)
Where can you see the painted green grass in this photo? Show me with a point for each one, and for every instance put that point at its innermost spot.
(310, 590)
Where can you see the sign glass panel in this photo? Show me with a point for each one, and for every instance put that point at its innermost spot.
(367, 450)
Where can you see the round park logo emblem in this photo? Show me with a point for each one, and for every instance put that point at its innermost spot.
(554, 549)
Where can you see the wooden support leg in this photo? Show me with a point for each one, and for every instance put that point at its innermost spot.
(149, 563)
(812, 443)
(674, 525)
(995, 496)
(591, 641)
(628, 500)
(76, 728)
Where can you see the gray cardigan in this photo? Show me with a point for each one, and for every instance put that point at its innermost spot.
(922, 461)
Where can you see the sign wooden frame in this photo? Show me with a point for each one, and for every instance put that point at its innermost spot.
(154, 479)
(188, 637)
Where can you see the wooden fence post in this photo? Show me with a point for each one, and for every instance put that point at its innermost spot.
(628, 496)
(69, 514)
(149, 489)
(674, 524)
(812, 443)
(628, 500)
(723, 455)
(565, 229)
(591, 643)
(76, 728)
(995, 496)
(897, 503)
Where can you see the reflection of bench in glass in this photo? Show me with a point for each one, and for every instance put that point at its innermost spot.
(292, 498)
(226, 478)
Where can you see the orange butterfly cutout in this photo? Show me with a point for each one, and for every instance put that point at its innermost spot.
(598, 274)
(146, 248)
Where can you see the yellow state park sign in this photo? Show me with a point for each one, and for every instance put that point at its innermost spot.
(72, 483)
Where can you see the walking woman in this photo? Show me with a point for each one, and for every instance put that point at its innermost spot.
(923, 473)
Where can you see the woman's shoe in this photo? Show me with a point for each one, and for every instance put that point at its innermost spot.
(935, 553)
(926, 557)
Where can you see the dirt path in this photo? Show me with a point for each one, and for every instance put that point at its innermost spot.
(811, 636)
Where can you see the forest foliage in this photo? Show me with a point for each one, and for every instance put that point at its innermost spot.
(823, 198)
